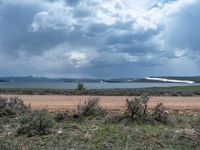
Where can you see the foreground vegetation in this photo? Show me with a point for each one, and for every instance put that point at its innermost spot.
(81, 90)
(92, 127)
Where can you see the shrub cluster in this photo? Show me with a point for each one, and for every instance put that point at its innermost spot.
(31, 122)
(41, 121)
(37, 122)
(12, 106)
(108, 92)
(136, 109)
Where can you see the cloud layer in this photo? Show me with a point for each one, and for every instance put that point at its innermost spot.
(100, 38)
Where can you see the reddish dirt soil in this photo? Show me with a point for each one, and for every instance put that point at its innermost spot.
(112, 103)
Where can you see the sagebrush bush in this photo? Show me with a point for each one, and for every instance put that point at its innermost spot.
(89, 108)
(136, 108)
(13, 106)
(160, 113)
(38, 122)
(3, 102)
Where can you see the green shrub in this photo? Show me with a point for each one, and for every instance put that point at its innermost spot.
(80, 89)
(89, 108)
(38, 122)
(13, 106)
(7, 145)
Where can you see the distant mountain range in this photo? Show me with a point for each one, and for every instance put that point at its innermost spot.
(181, 79)
(3, 81)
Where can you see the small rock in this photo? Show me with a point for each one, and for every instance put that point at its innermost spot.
(9, 133)
(181, 112)
(167, 112)
(7, 126)
(60, 131)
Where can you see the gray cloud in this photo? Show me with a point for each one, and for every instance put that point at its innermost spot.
(99, 38)
(184, 34)
(72, 2)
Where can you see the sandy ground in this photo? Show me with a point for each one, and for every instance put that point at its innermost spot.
(113, 103)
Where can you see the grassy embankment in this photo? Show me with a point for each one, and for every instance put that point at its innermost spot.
(88, 129)
(93, 133)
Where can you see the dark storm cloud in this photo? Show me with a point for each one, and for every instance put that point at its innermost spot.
(185, 33)
(15, 21)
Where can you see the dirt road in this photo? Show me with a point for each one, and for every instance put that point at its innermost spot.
(113, 103)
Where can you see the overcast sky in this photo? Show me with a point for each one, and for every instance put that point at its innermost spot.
(99, 38)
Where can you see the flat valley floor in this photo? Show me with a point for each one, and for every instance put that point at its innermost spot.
(112, 103)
